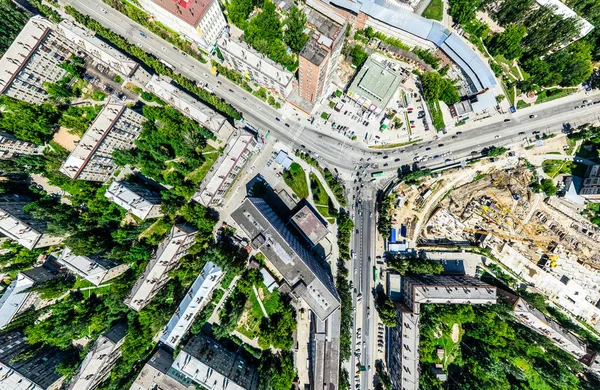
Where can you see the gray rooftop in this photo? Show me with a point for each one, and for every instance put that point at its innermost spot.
(314, 52)
(376, 83)
(310, 225)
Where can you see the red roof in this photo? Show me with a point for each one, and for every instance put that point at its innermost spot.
(190, 11)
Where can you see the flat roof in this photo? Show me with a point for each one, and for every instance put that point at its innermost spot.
(324, 26)
(18, 225)
(13, 298)
(190, 11)
(314, 52)
(133, 197)
(91, 270)
(376, 83)
(309, 223)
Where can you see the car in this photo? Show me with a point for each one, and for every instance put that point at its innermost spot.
(396, 160)
(440, 145)
(436, 156)
(458, 132)
(184, 54)
(448, 160)
(532, 116)
(576, 107)
(386, 156)
(535, 132)
(287, 125)
(521, 132)
(427, 148)
(230, 90)
(474, 152)
(496, 136)
(507, 120)
(143, 34)
(454, 137)
(386, 164)
(277, 119)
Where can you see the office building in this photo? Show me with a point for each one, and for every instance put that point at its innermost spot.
(410, 292)
(255, 66)
(24, 367)
(166, 258)
(32, 59)
(115, 128)
(590, 189)
(199, 21)
(95, 271)
(154, 374)
(21, 227)
(226, 169)
(16, 299)
(86, 41)
(374, 85)
(135, 198)
(189, 106)
(206, 363)
(100, 359)
(196, 298)
(319, 58)
(11, 147)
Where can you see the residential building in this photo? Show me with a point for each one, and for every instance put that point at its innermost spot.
(25, 367)
(590, 189)
(11, 147)
(189, 106)
(100, 359)
(255, 66)
(135, 198)
(374, 85)
(403, 356)
(226, 169)
(319, 58)
(85, 40)
(16, 299)
(154, 374)
(32, 59)
(21, 227)
(115, 128)
(166, 258)
(196, 298)
(204, 362)
(199, 21)
(310, 224)
(96, 271)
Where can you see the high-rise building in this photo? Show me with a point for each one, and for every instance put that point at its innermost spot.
(199, 21)
(12, 147)
(135, 198)
(96, 271)
(154, 374)
(32, 60)
(166, 258)
(100, 359)
(115, 128)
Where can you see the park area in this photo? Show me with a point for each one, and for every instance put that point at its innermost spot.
(321, 200)
(253, 314)
(295, 178)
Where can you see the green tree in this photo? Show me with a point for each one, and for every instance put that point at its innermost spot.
(508, 42)
(238, 11)
(359, 55)
(13, 19)
(294, 36)
(29, 122)
(386, 309)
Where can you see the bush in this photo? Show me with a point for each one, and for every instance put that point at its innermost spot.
(98, 96)
(324, 115)
(118, 79)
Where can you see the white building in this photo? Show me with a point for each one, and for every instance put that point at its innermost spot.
(136, 199)
(32, 60)
(11, 147)
(199, 21)
(115, 127)
(224, 172)
(107, 55)
(166, 258)
(100, 359)
(256, 66)
(95, 271)
(195, 299)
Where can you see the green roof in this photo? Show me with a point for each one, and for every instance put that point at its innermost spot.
(375, 83)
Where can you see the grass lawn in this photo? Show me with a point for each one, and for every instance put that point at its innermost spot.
(320, 197)
(554, 168)
(434, 10)
(210, 155)
(571, 144)
(389, 146)
(249, 326)
(553, 94)
(295, 178)
(522, 104)
(436, 115)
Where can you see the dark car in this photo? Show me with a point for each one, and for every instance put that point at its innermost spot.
(458, 132)
(521, 133)
(440, 145)
(396, 160)
(427, 148)
(384, 157)
(507, 120)
(454, 137)
(230, 90)
(474, 152)
(287, 125)
(277, 119)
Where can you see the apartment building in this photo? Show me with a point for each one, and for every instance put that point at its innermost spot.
(206, 363)
(32, 59)
(96, 271)
(196, 298)
(115, 127)
(590, 189)
(166, 258)
(225, 171)
(255, 66)
(135, 198)
(85, 40)
(100, 359)
(199, 21)
(11, 147)
(154, 374)
(21, 227)
(25, 367)
(319, 58)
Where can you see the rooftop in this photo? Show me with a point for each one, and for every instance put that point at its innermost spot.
(13, 298)
(153, 375)
(190, 11)
(309, 223)
(314, 52)
(133, 197)
(93, 270)
(376, 83)
(327, 30)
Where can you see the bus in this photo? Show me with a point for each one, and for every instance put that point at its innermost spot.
(377, 174)
(165, 63)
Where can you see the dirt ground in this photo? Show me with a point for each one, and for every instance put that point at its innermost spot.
(65, 139)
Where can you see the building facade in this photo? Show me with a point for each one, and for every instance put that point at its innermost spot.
(166, 258)
(590, 189)
(32, 60)
(115, 128)
(199, 21)
(135, 198)
(12, 147)
(96, 271)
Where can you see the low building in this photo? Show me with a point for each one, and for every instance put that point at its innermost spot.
(85, 40)
(196, 298)
(199, 21)
(476, 104)
(166, 258)
(189, 106)
(204, 362)
(115, 128)
(32, 59)
(225, 171)
(374, 86)
(154, 374)
(135, 198)
(95, 271)
(100, 359)
(590, 188)
(310, 225)
(11, 147)
(21, 227)
(16, 298)
(25, 367)
(255, 66)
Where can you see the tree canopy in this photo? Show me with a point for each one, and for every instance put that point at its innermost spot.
(435, 88)
(29, 122)
(294, 35)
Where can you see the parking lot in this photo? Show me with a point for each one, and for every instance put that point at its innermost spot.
(102, 78)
